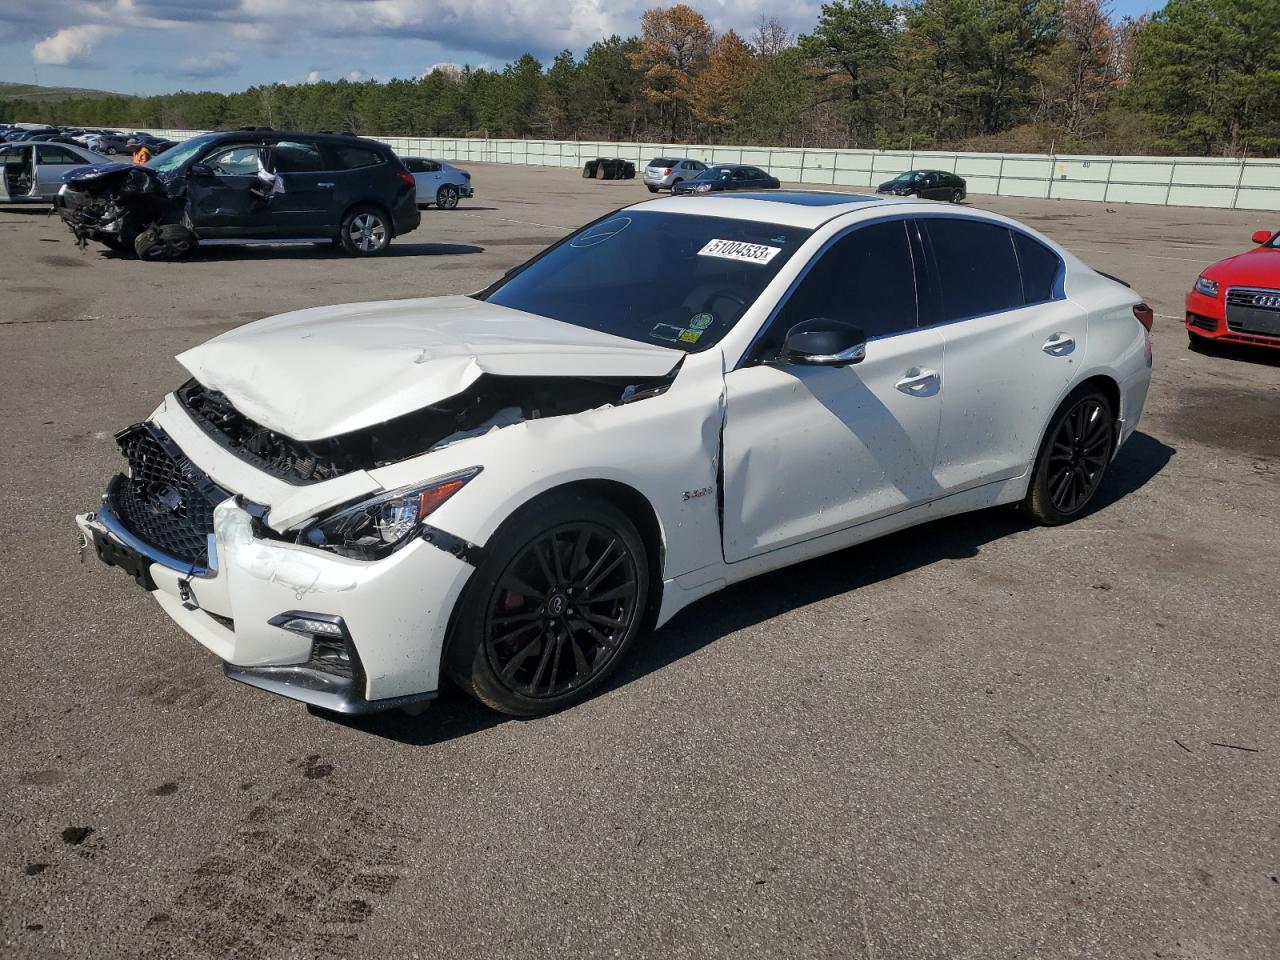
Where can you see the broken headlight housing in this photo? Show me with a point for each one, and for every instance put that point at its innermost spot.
(373, 528)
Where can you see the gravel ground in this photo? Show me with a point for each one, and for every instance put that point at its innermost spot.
(975, 739)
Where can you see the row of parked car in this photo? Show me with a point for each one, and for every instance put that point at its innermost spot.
(240, 186)
(686, 175)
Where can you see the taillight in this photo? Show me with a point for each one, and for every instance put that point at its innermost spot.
(666, 171)
(1146, 316)
(407, 177)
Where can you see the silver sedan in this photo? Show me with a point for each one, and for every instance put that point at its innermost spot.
(33, 170)
(438, 182)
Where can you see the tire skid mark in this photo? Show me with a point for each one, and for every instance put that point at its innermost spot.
(301, 873)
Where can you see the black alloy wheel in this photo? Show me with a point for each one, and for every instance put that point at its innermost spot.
(555, 604)
(447, 197)
(1073, 458)
(561, 610)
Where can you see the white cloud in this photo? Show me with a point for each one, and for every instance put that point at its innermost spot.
(215, 64)
(70, 45)
(313, 77)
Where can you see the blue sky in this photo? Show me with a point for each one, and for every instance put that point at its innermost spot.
(157, 46)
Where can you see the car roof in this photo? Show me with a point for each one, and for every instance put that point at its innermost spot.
(797, 208)
(300, 135)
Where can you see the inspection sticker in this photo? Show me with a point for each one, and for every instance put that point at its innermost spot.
(737, 250)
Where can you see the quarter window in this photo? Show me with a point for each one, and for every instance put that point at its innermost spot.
(866, 278)
(977, 268)
(1039, 266)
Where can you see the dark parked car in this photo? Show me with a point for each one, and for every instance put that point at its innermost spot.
(246, 186)
(728, 176)
(926, 184)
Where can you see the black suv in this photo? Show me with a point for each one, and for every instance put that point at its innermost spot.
(926, 184)
(246, 186)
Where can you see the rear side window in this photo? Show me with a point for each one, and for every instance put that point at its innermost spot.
(355, 158)
(865, 278)
(977, 267)
(290, 157)
(1039, 266)
(56, 155)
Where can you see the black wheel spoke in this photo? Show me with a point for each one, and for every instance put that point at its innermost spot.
(548, 640)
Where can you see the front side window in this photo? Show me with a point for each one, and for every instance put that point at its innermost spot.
(866, 279)
(237, 161)
(668, 279)
(290, 157)
(976, 267)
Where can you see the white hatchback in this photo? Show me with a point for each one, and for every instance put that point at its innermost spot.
(511, 487)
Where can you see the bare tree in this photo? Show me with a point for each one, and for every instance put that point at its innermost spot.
(770, 37)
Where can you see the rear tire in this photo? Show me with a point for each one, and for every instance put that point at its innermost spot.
(957, 196)
(365, 232)
(527, 636)
(447, 197)
(652, 189)
(1073, 458)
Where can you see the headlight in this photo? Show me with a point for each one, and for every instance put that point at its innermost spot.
(374, 528)
(703, 188)
(1208, 287)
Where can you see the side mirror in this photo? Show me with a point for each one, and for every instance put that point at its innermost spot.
(200, 170)
(1261, 236)
(824, 342)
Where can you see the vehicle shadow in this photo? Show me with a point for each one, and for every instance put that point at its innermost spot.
(745, 604)
(28, 209)
(1246, 353)
(316, 251)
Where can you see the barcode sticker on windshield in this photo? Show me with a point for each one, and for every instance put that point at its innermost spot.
(737, 250)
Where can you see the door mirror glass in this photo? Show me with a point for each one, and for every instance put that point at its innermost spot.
(200, 170)
(1261, 236)
(824, 342)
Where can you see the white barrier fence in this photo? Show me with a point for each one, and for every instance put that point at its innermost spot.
(1166, 181)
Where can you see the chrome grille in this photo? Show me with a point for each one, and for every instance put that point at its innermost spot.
(1253, 310)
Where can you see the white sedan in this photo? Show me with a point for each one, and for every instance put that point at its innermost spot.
(346, 503)
(33, 170)
(438, 182)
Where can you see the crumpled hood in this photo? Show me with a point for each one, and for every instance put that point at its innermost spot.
(327, 371)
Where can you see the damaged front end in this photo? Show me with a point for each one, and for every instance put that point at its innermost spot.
(114, 203)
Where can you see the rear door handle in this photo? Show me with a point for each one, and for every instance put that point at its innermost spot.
(917, 379)
(1059, 345)
(326, 183)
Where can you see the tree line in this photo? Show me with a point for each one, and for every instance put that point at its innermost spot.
(1200, 77)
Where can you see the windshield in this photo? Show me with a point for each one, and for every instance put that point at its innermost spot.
(175, 157)
(714, 173)
(907, 177)
(669, 279)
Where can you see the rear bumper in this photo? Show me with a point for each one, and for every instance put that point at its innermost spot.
(406, 216)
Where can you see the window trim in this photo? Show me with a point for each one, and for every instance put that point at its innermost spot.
(915, 244)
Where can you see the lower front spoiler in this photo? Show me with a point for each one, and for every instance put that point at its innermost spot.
(318, 688)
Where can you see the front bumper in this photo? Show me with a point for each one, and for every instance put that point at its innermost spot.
(393, 613)
(1206, 318)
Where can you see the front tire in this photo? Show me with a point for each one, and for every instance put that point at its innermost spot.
(447, 197)
(172, 241)
(553, 607)
(365, 232)
(1073, 458)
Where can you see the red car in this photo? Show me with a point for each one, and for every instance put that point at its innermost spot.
(1237, 300)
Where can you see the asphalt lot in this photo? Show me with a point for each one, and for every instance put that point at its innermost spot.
(975, 739)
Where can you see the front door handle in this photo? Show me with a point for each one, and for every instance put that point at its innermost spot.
(328, 183)
(917, 380)
(1059, 345)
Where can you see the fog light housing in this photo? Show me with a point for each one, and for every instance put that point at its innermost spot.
(331, 646)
